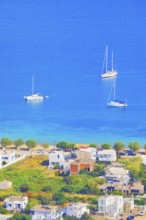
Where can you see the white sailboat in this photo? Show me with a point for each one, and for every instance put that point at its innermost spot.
(108, 73)
(114, 102)
(34, 96)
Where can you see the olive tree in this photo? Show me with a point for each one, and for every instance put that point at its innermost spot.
(93, 145)
(30, 143)
(45, 145)
(145, 148)
(6, 142)
(106, 146)
(134, 146)
(118, 146)
(18, 142)
(62, 145)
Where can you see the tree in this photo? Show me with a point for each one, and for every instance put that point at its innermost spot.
(43, 200)
(20, 217)
(134, 166)
(86, 216)
(30, 143)
(62, 144)
(106, 146)
(71, 145)
(134, 146)
(99, 168)
(145, 148)
(59, 198)
(118, 146)
(45, 145)
(6, 142)
(93, 145)
(18, 142)
(24, 188)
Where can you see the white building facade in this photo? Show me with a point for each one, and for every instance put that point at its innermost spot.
(115, 174)
(110, 206)
(5, 185)
(56, 157)
(15, 203)
(87, 153)
(8, 157)
(76, 209)
(40, 212)
(107, 155)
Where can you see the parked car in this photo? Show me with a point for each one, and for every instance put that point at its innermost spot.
(141, 213)
(40, 152)
(130, 217)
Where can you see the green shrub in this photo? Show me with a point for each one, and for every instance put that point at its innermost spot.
(47, 188)
(24, 188)
(20, 217)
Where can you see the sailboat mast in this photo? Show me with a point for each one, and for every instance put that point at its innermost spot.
(106, 58)
(112, 61)
(32, 84)
(114, 91)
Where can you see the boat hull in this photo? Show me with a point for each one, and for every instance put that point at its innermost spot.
(117, 104)
(109, 74)
(34, 97)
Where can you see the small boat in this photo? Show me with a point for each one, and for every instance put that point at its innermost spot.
(108, 73)
(34, 96)
(114, 102)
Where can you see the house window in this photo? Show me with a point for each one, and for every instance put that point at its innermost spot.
(19, 206)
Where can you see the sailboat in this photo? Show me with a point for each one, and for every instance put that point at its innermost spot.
(34, 96)
(114, 102)
(108, 73)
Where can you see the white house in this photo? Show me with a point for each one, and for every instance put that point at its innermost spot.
(41, 212)
(116, 173)
(8, 156)
(128, 204)
(5, 185)
(16, 203)
(76, 209)
(87, 153)
(66, 165)
(56, 157)
(143, 159)
(107, 155)
(110, 206)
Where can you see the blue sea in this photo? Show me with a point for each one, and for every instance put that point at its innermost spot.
(62, 44)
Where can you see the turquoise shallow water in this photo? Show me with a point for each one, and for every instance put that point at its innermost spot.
(62, 44)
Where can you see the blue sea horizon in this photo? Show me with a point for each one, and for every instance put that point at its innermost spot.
(62, 44)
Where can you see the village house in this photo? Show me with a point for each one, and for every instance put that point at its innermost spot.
(107, 155)
(135, 188)
(128, 205)
(86, 153)
(56, 157)
(78, 165)
(110, 206)
(143, 159)
(76, 209)
(44, 212)
(66, 165)
(5, 185)
(115, 173)
(16, 203)
(8, 156)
